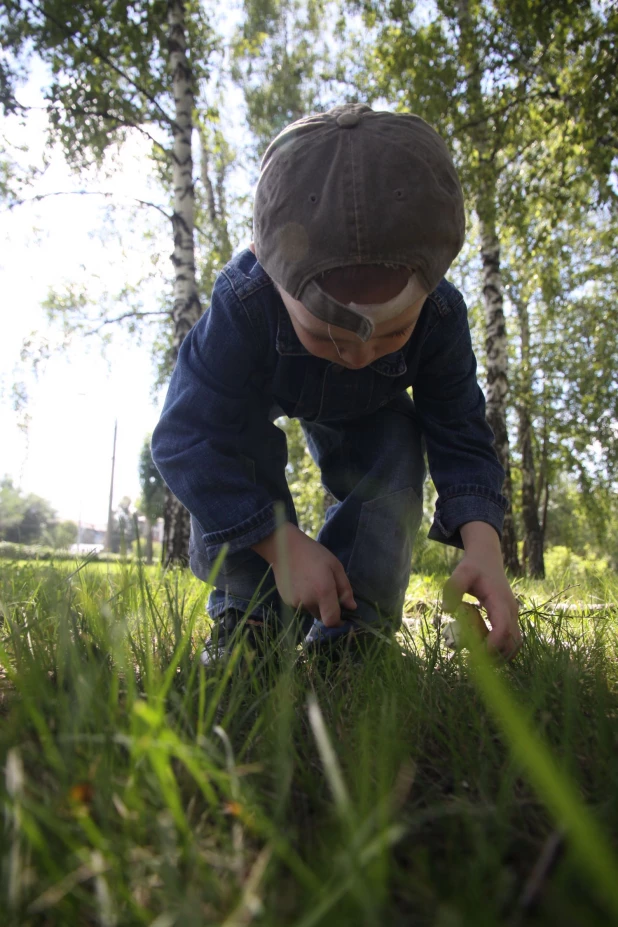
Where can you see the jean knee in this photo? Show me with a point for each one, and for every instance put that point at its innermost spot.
(379, 566)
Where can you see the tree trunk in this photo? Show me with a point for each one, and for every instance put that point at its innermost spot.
(176, 528)
(186, 308)
(542, 489)
(497, 368)
(495, 328)
(533, 537)
(545, 507)
(148, 541)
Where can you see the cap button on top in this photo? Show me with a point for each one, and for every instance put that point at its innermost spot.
(348, 120)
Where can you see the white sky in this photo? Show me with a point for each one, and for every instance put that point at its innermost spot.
(66, 456)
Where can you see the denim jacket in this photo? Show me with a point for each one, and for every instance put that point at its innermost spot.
(243, 358)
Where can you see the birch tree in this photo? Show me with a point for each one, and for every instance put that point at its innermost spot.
(186, 303)
(441, 70)
(120, 66)
(479, 73)
(566, 382)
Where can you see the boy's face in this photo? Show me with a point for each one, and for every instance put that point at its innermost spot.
(344, 347)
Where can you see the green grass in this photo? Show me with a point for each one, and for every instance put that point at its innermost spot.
(414, 787)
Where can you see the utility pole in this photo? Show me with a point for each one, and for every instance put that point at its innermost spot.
(110, 515)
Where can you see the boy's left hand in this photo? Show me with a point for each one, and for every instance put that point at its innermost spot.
(480, 572)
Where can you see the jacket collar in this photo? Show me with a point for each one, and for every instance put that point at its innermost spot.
(287, 339)
(288, 345)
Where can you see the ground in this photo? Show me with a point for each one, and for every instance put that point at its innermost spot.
(413, 786)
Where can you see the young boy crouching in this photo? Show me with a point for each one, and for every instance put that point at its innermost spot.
(338, 307)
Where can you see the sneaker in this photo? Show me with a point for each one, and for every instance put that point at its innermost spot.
(217, 646)
(213, 652)
(358, 642)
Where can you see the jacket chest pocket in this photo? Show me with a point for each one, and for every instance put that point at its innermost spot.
(297, 388)
(326, 392)
(346, 393)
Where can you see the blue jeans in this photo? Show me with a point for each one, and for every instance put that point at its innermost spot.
(374, 468)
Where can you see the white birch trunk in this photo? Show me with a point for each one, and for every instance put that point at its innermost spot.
(186, 308)
(495, 328)
(496, 345)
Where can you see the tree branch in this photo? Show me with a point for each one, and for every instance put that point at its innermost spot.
(99, 51)
(501, 111)
(123, 124)
(121, 318)
(43, 196)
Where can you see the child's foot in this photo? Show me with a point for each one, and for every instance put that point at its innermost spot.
(360, 639)
(213, 652)
(227, 631)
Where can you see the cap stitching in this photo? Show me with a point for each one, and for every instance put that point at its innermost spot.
(358, 243)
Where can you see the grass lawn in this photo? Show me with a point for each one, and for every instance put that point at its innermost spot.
(412, 787)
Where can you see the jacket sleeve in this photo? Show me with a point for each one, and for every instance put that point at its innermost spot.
(196, 443)
(460, 444)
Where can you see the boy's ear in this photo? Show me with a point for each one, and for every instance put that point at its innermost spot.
(252, 247)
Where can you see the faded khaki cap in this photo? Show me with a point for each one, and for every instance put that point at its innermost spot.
(354, 186)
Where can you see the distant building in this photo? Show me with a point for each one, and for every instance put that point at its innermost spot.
(86, 548)
(90, 539)
(91, 535)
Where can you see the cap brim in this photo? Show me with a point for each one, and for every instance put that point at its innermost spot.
(358, 318)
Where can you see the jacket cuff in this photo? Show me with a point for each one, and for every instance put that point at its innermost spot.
(464, 503)
(242, 535)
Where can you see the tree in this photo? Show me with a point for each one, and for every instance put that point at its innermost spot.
(566, 386)
(24, 519)
(152, 501)
(279, 54)
(123, 529)
(121, 65)
(578, 73)
(63, 534)
(495, 80)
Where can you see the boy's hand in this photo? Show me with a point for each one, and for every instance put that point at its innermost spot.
(308, 574)
(480, 572)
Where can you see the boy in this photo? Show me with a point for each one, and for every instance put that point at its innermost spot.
(336, 309)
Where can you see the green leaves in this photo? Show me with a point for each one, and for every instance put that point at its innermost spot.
(280, 61)
(109, 65)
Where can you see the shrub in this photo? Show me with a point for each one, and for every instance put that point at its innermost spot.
(10, 551)
(560, 561)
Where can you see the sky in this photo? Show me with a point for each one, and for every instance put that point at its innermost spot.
(65, 456)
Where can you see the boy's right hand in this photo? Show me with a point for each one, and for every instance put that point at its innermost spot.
(307, 574)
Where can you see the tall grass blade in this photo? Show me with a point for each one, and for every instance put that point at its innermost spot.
(554, 788)
(328, 757)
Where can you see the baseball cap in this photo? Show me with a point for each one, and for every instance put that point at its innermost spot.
(357, 186)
